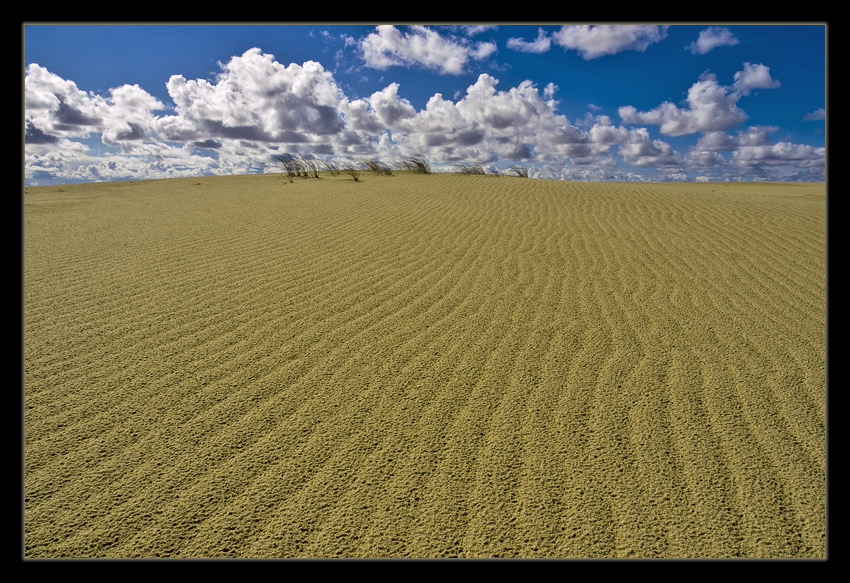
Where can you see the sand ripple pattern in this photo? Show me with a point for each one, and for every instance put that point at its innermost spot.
(424, 366)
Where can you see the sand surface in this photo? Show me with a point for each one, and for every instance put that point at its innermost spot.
(424, 366)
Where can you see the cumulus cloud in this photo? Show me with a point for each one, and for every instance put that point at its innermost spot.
(604, 132)
(256, 107)
(539, 45)
(711, 38)
(55, 108)
(750, 150)
(593, 42)
(388, 47)
(708, 151)
(641, 150)
(780, 153)
(359, 116)
(33, 135)
(389, 108)
(711, 107)
(484, 125)
(130, 117)
(515, 109)
(255, 98)
(754, 77)
(487, 124)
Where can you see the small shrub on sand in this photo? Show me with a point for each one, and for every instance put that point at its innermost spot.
(311, 167)
(295, 166)
(419, 165)
(378, 167)
(469, 169)
(288, 166)
(331, 167)
(353, 172)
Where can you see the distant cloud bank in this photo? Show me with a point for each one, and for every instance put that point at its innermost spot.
(257, 107)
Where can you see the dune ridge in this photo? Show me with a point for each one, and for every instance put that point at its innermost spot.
(424, 366)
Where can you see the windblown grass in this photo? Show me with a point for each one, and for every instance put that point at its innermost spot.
(378, 167)
(295, 166)
(352, 171)
(470, 169)
(419, 165)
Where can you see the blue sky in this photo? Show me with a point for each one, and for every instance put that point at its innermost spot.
(577, 102)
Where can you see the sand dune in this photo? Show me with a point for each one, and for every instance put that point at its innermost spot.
(424, 366)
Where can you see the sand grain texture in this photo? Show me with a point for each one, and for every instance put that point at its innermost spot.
(424, 366)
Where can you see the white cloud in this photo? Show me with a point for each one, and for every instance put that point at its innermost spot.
(711, 38)
(603, 132)
(751, 152)
(478, 29)
(56, 108)
(704, 159)
(711, 107)
(818, 114)
(388, 47)
(755, 135)
(255, 98)
(815, 115)
(596, 41)
(256, 107)
(780, 153)
(512, 110)
(539, 45)
(716, 142)
(487, 125)
(483, 50)
(389, 107)
(754, 77)
(484, 125)
(641, 150)
(130, 117)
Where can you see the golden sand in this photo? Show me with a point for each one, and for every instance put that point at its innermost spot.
(424, 366)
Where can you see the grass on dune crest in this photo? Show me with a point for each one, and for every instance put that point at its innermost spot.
(425, 366)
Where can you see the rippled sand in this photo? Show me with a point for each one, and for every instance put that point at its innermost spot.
(424, 366)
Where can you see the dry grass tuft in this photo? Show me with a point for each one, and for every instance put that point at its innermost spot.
(470, 169)
(419, 165)
(520, 171)
(378, 167)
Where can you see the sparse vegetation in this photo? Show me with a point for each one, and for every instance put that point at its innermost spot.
(419, 165)
(353, 172)
(288, 165)
(295, 166)
(331, 167)
(469, 169)
(378, 167)
(520, 171)
(312, 167)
